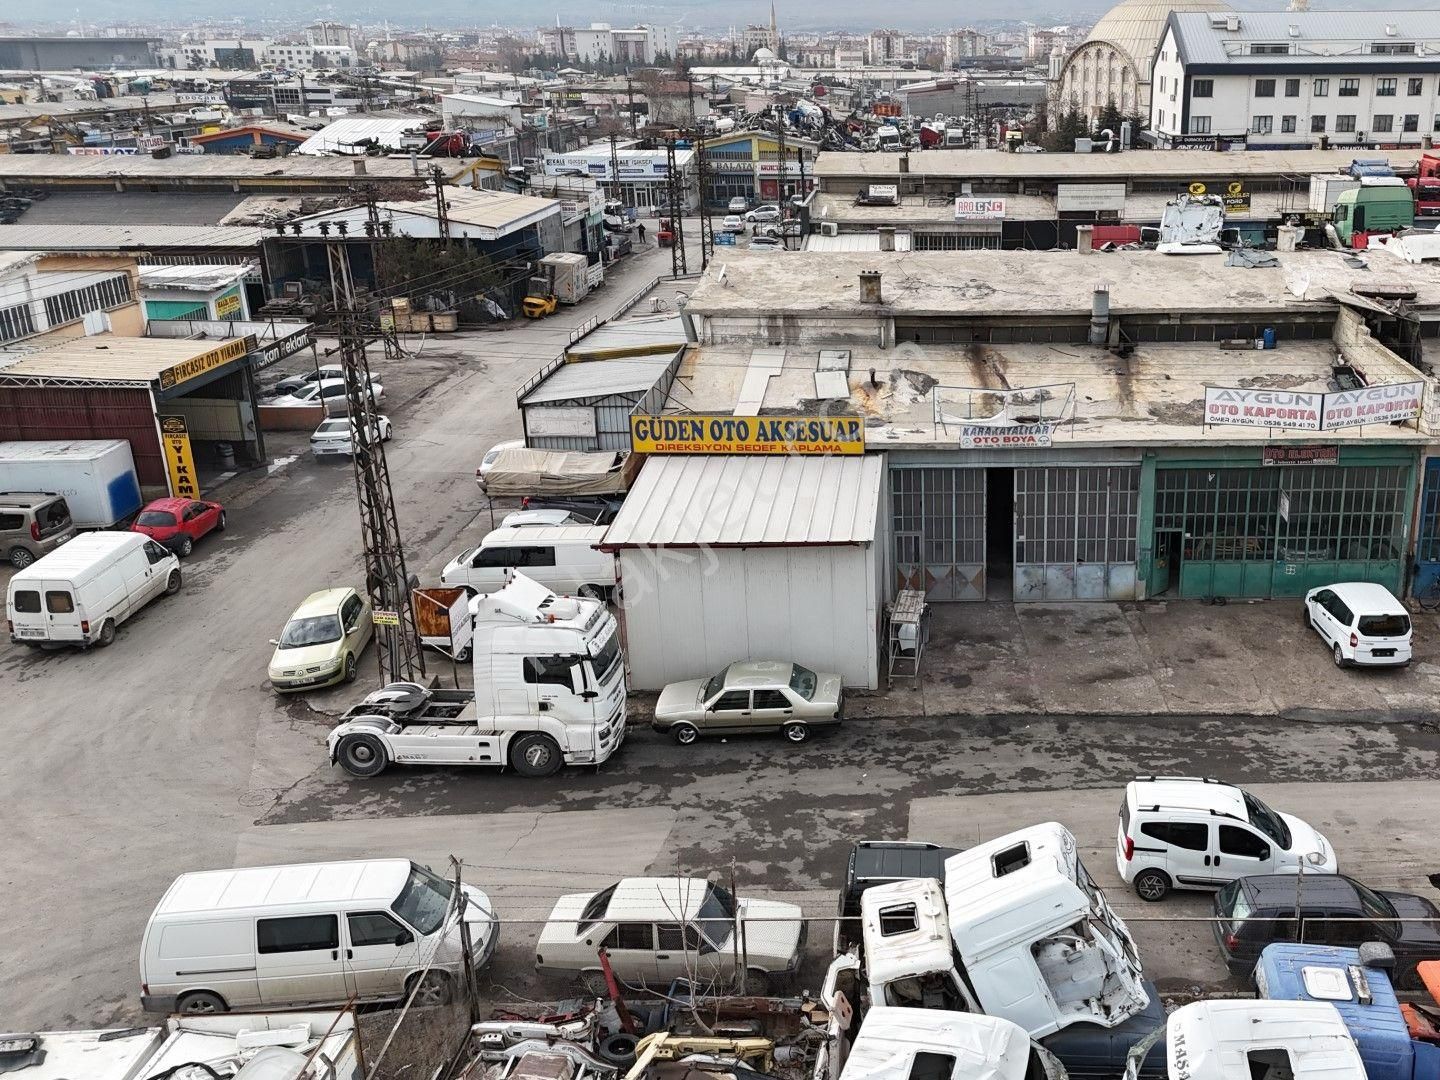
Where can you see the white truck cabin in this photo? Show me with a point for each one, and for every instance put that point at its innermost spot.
(909, 958)
(915, 1044)
(1023, 908)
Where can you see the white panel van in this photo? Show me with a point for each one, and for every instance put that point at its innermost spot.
(309, 934)
(564, 558)
(80, 593)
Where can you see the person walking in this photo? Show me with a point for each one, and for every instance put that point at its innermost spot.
(641, 227)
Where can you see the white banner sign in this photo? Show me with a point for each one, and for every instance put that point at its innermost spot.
(1090, 197)
(1372, 405)
(976, 436)
(1263, 408)
(969, 208)
(548, 422)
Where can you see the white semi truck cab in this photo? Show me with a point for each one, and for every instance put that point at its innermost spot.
(549, 691)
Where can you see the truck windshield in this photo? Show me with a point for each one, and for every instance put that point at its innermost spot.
(424, 900)
(605, 661)
(315, 630)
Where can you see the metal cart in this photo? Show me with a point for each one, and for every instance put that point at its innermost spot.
(907, 632)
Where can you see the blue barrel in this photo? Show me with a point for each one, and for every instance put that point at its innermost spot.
(1269, 337)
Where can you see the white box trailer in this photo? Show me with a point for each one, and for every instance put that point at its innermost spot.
(1325, 189)
(96, 476)
(569, 275)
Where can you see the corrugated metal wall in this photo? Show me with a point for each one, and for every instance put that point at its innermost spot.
(612, 424)
(57, 412)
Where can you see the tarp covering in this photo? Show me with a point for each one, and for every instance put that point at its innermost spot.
(521, 472)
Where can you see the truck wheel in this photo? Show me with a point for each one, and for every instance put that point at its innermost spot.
(172, 586)
(1152, 885)
(21, 557)
(201, 1002)
(107, 633)
(594, 592)
(684, 734)
(463, 656)
(535, 755)
(185, 546)
(362, 755)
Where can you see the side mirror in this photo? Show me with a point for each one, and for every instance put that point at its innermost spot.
(274, 641)
(403, 938)
(1265, 853)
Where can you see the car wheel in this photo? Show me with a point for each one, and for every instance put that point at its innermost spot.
(107, 633)
(386, 432)
(185, 546)
(220, 522)
(362, 755)
(535, 755)
(21, 557)
(201, 1002)
(350, 669)
(796, 733)
(172, 585)
(684, 734)
(1152, 885)
(1339, 655)
(593, 982)
(1309, 622)
(430, 989)
(463, 656)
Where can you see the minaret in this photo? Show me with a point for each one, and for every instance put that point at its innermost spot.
(774, 32)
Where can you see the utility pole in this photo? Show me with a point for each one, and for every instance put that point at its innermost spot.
(674, 200)
(780, 162)
(614, 169)
(442, 211)
(387, 581)
(702, 182)
(630, 94)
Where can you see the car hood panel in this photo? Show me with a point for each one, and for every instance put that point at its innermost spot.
(679, 701)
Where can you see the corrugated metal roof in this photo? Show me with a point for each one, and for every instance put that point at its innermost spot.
(1348, 32)
(598, 378)
(858, 241)
(104, 357)
(656, 330)
(192, 277)
(19, 237)
(342, 134)
(729, 500)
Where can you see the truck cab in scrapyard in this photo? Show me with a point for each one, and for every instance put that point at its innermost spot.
(903, 1044)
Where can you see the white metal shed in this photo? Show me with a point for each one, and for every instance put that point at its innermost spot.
(730, 558)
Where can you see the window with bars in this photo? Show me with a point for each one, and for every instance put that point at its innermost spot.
(1284, 514)
(939, 516)
(1067, 515)
(71, 306)
(16, 322)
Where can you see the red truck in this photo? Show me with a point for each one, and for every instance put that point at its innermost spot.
(1425, 185)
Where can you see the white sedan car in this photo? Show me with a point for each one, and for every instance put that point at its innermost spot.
(756, 695)
(761, 214)
(328, 392)
(767, 243)
(335, 436)
(733, 223)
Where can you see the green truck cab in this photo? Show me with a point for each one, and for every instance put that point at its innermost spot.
(1381, 204)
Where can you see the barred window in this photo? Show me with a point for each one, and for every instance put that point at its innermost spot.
(1076, 515)
(68, 307)
(16, 322)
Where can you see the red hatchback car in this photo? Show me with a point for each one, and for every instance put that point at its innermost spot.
(178, 523)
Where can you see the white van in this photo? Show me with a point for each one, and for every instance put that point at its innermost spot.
(308, 934)
(563, 558)
(80, 593)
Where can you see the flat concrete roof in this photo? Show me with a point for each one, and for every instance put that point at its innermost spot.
(824, 285)
(30, 110)
(29, 167)
(1154, 396)
(1130, 165)
(97, 238)
(934, 211)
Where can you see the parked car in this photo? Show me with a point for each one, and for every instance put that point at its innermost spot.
(1336, 910)
(755, 695)
(326, 392)
(551, 518)
(565, 559)
(883, 862)
(664, 928)
(337, 435)
(763, 214)
(178, 523)
(1362, 623)
(291, 383)
(488, 461)
(782, 229)
(733, 223)
(590, 509)
(767, 243)
(1189, 832)
(32, 524)
(322, 641)
(738, 205)
(312, 934)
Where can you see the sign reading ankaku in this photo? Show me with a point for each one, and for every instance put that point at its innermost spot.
(973, 436)
(1305, 411)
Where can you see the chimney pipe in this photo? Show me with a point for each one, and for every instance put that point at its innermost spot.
(1100, 315)
(359, 166)
(1085, 239)
(870, 287)
(887, 237)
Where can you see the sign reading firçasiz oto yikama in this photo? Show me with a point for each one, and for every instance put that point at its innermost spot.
(1305, 411)
(747, 434)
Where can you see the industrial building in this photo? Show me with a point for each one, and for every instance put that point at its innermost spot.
(70, 53)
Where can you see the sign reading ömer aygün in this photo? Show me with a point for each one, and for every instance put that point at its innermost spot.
(747, 434)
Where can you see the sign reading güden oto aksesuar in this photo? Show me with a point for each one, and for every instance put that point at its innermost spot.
(747, 434)
(1306, 411)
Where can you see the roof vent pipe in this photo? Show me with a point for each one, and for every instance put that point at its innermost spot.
(870, 287)
(1100, 315)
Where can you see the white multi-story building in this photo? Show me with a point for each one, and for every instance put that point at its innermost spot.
(885, 46)
(330, 33)
(631, 45)
(961, 45)
(302, 56)
(1297, 78)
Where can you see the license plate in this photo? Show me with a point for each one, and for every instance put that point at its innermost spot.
(26, 631)
(1382, 652)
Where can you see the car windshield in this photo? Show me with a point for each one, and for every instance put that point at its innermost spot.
(424, 900)
(714, 686)
(803, 681)
(595, 908)
(1374, 905)
(1267, 821)
(716, 917)
(1384, 625)
(313, 630)
(334, 427)
(155, 517)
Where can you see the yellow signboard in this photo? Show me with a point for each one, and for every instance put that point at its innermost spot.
(227, 306)
(184, 481)
(206, 361)
(747, 434)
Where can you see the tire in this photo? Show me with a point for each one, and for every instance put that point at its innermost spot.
(684, 734)
(107, 633)
(362, 755)
(220, 522)
(1152, 885)
(463, 656)
(21, 557)
(434, 989)
(594, 592)
(1305, 618)
(172, 586)
(796, 732)
(618, 1049)
(1339, 655)
(201, 1002)
(535, 755)
(593, 981)
(185, 546)
(351, 671)
(387, 433)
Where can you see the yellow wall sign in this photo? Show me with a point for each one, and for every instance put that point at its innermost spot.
(227, 306)
(747, 434)
(206, 361)
(184, 481)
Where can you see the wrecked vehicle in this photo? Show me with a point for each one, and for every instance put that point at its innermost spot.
(903, 1044)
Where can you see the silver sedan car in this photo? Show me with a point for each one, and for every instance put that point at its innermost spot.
(756, 695)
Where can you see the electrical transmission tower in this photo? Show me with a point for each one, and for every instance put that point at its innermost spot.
(386, 579)
(702, 181)
(675, 204)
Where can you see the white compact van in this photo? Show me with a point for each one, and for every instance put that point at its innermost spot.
(81, 592)
(563, 558)
(308, 934)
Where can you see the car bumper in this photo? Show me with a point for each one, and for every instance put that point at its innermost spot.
(159, 1003)
(307, 682)
(1401, 655)
(487, 951)
(330, 451)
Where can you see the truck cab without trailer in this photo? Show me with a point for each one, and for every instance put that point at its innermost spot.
(902, 1044)
(549, 691)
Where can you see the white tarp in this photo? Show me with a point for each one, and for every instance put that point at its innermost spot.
(520, 472)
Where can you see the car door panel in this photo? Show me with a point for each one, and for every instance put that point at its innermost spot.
(631, 948)
(729, 712)
(297, 960)
(770, 708)
(375, 965)
(1242, 852)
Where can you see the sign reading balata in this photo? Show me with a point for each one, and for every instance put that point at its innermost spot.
(747, 434)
